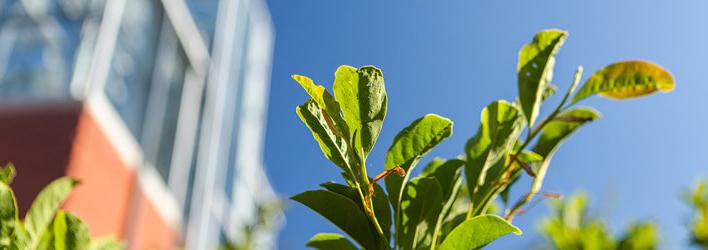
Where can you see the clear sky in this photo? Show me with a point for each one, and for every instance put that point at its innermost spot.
(453, 59)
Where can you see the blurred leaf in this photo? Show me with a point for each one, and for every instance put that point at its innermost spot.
(535, 70)
(500, 125)
(46, 205)
(570, 227)
(105, 243)
(698, 198)
(333, 145)
(8, 215)
(21, 238)
(362, 96)
(640, 236)
(411, 144)
(421, 203)
(66, 232)
(548, 92)
(330, 241)
(477, 232)
(7, 174)
(342, 212)
(627, 79)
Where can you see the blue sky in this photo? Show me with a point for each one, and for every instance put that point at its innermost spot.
(453, 59)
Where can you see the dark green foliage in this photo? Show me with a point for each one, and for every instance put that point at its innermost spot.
(45, 226)
(439, 208)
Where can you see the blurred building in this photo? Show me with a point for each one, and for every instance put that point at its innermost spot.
(158, 106)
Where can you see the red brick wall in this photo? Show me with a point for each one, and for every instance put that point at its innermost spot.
(106, 182)
(37, 138)
(50, 140)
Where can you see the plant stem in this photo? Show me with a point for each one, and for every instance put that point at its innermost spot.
(446, 212)
(534, 132)
(366, 200)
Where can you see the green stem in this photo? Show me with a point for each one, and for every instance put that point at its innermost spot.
(367, 200)
(397, 215)
(534, 132)
(446, 212)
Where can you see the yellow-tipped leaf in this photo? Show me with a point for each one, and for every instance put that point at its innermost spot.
(628, 79)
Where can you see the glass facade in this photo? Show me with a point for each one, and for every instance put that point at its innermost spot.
(133, 62)
(187, 82)
(41, 43)
(204, 13)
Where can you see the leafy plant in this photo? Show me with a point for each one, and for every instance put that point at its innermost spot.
(438, 208)
(698, 199)
(571, 228)
(45, 226)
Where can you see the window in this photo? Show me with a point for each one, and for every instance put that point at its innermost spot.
(204, 13)
(40, 44)
(131, 70)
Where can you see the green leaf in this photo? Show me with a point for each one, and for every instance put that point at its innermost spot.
(491, 185)
(556, 131)
(344, 190)
(448, 173)
(362, 95)
(7, 174)
(382, 210)
(342, 212)
(66, 232)
(625, 80)
(452, 222)
(411, 144)
(420, 206)
(46, 205)
(381, 206)
(535, 70)
(477, 232)
(414, 141)
(500, 126)
(331, 142)
(325, 100)
(105, 243)
(8, 215)
(330, 241)
(21, 239)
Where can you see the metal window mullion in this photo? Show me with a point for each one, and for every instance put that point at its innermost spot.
(188, 33)
(200, 227)
(105, 45)
(158, 95)
(186, 134)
